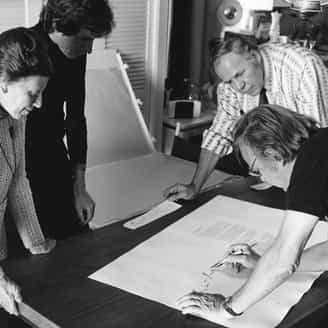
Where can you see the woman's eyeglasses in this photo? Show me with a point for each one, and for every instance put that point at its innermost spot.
(252, 171)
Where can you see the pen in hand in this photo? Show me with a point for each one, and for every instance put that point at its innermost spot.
(222, 261)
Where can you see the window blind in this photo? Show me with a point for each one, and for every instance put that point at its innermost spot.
(130, 38)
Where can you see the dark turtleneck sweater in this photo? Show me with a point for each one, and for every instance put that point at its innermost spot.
(47, 126)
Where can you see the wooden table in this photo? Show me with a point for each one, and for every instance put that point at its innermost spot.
(57, 284)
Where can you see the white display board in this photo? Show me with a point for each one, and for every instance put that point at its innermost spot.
(116, 128)
(125, 175)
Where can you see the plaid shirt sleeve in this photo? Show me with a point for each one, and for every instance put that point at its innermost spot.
(313, 92)
(218, 138)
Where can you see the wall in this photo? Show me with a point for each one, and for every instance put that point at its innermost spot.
(194, 24)
(180, 43)
(212, 28)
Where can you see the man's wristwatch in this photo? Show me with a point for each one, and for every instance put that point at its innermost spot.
(227, 306)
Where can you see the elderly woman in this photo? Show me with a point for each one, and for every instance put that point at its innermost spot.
(289, 151)
(24, 73)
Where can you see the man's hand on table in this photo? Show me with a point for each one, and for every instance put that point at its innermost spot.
(9, 294)
(204, 305)
(180, 191)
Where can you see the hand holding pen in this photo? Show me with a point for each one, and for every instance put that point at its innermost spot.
(237, 257)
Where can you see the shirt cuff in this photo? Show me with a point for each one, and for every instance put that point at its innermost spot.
(215, 143)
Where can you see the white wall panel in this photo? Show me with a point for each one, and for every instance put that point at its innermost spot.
(12, 14)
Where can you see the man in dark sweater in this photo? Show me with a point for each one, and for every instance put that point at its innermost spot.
(55, 166)
(287, 150)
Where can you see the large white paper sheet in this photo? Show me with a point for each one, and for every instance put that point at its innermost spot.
(127, 188)
(178, 259)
